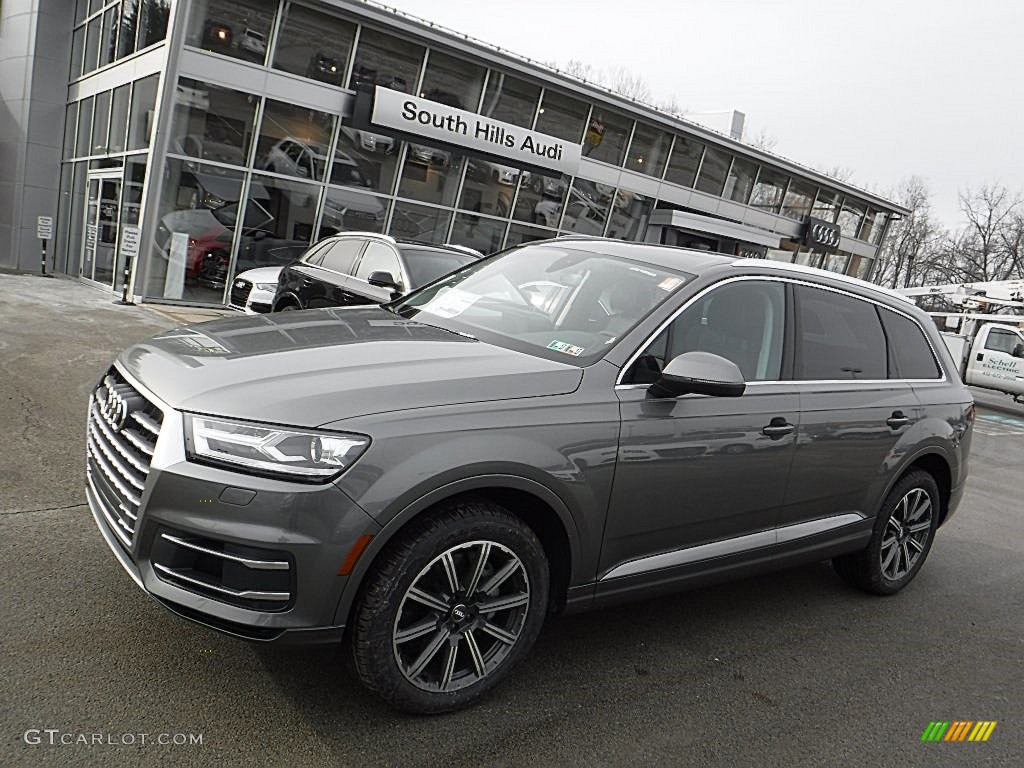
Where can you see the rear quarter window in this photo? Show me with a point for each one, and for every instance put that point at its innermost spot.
(910, 354)
(838, 337)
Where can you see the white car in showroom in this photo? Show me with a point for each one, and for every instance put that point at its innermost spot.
(253, 291)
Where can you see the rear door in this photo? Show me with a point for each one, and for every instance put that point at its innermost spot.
(326, 284)
(855, 419)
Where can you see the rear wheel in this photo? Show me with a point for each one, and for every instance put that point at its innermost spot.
(450, 608)
(902, 538)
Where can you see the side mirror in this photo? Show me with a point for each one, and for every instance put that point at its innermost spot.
(383, 280)
(700, 373)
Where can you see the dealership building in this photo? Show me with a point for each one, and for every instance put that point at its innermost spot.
(190, 141)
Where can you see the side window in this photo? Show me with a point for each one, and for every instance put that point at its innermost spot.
(837, 337)
(342, 255)
(379, 258)
(1001, 341)
(910, 356)
(316, 253)
(743, 321)
(293, 151)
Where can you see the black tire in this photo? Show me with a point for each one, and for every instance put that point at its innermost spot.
(495, 558)
(287, 308)
(900, 542)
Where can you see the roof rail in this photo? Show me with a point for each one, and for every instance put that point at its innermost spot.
(802, 269)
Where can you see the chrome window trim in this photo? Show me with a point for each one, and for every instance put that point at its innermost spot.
(794, 281)
(733, 546)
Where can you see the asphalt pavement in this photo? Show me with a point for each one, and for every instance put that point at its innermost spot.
(790, 669)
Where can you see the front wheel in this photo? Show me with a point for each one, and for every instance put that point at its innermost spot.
(451, 608)
(902, 538)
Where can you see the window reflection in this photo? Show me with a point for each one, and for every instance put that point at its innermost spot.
(237, 28)
(83, 147)
(541, 199)
(799, 199)
(345, 210)
(587, 208)
(452, 81)
(510, 100)
(278, 226)
(826, 205)
(489, 187)
(212, 122)
(373, 155)
(100, 122)
(118, 118)
(713, 171)
(519, 234)
(860, 266)
(314, 44)
(420, 222)
(108, 37)
(648, 151)
(294, 141)
(606, 137)
(386, 61)
(629, 215)
(740, 181)
(129, 23)
(873, 226)
(140, 124)
(195, 230)
(430, 174)
(562, 116)
(850, 218)
(768, 190)
(479, 232)
(685, 159)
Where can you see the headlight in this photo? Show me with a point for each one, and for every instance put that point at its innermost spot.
(266, 286)
(260, 449)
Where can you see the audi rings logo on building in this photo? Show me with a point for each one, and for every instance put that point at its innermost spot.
(821, 234)
(114, 409)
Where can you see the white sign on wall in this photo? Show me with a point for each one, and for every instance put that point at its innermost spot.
(407, 113)
(44, 227)
(130, 237)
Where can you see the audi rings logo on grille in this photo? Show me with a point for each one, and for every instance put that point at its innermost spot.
(239, 283)
(114, 410)
(821, 235)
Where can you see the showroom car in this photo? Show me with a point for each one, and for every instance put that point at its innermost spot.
(561, 426)
(356, 268)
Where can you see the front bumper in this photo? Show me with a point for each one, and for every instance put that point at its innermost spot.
(253, 557)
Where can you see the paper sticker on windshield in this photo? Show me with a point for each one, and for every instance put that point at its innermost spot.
(452, 302)
(669, 284)
(564, 346)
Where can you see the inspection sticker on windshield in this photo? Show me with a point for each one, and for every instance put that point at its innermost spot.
(669, 284)
(563, 346)
(452, 302)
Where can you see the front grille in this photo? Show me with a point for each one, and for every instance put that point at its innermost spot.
(240, 290)
(247, 577)
(122, 432)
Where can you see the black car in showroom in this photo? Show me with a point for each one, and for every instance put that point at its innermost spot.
(357, 268)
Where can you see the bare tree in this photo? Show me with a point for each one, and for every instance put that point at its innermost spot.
(763, 140)
(581, 71)
(989, 246)
(627, 84)
(910, 254)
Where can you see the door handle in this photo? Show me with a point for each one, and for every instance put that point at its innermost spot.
(778, 427)
(898, 420)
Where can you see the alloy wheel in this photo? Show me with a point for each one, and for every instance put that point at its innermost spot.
(461, 616)
(906, 534)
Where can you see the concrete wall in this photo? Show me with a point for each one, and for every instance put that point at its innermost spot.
(35, 50)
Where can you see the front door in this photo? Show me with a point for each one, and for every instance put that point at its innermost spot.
(99, 245)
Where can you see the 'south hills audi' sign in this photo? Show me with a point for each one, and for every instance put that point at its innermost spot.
(450, 125)
(821, 235)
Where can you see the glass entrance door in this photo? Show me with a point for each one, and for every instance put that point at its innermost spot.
(99, 246)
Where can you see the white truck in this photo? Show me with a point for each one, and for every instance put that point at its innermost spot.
(988, 347)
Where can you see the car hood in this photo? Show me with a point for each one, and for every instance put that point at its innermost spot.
(261, 275)
(315, 367)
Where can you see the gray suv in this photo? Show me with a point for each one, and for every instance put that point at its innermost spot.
(561, 426)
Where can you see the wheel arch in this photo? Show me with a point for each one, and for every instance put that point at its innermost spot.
(936, 465)
(286, 300)
(535, 504)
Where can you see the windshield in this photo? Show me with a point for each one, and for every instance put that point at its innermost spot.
(426, 265)
(557, 302)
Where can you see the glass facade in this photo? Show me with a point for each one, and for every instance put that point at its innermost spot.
(250, 180)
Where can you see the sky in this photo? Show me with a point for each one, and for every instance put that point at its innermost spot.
(886, 89)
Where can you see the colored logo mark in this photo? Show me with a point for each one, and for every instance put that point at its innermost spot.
(959, 730)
